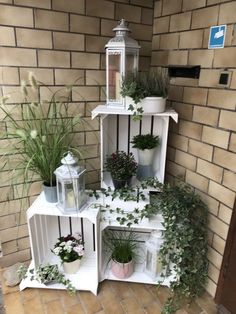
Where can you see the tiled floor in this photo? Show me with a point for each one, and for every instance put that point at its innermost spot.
(113, 298)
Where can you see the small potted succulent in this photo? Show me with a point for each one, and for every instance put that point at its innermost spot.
(121, 247)
(146, 92)
(146, 145)
(70, 249)
(122, 167)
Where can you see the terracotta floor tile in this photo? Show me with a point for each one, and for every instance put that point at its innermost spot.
(131, 306)
(33, 306)
(152, 308)
(162, 293)
(90, 302)
(121, 289)
(29, 293)
(48, 295)
(13, 303)
(110, 302)
(142, 293)
(67, 299)
(75, 309)
(54, 307)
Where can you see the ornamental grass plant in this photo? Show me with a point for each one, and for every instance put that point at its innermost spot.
(38, 133)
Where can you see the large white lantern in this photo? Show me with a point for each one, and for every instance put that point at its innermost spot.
(153, 267)
(122, 53)
(70, 185)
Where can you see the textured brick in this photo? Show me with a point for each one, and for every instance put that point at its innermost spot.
(7, 36)
(209, 78)
(107, 26)
(209, 170)
(51, 20)
(170, 7)
(169, 41)
(128, 12)
(95, 43)
(16, 16)
(212, 204)
(218, 244)
(222, 194)
(186, 160)
(17, 57)
(225, 57)
(84, 24)
(33, 38)
(69, 6)
(147, 3)
(9, 247)
(191, 39)
(196, 96)
(190, 129)
(184, 111)
(175, 170)
(46, 4)
(67, 41)
(146, 48)
(161, 25)
(227, 13)
(227, 120)
(193, 4)
(232, 144)
(222, 99)
(175, 93)
(68, 76)
(205, 115)
(201, 150)
(42, 75)
(178, 57)
(86, 93)
(218, 226)
(57, 59)
(157, 8)
(141, 32)
(204, 58)
(205, 17)
(95, 77)
(102, 8)
(229, 180)
(147, 16)
(85, 60)
(180, 22)
(225, 213)
(197, 180)
(9, 76)
(159, 57)
(213, 273)
(225, 158)
(215, 137)
(178, 141)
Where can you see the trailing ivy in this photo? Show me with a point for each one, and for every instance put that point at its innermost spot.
(185, 244)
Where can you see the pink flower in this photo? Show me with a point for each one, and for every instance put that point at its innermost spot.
(79, 249)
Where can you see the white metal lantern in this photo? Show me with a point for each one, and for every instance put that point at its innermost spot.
(122, 53)
(153, 267)
(70, 185)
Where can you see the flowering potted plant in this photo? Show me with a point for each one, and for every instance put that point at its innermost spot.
(122, 167)
(70, 249)
(39, 133)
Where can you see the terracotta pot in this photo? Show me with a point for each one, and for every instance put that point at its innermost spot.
(72, 267)
(121, 270)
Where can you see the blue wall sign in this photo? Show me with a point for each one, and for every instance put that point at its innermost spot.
(217, 37)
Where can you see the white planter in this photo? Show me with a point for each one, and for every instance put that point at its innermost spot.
(153, 104)
(145, 157)
(72, 267)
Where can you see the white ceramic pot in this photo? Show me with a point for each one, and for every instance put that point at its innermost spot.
(153, 104)
(145, 157)
(72, 267)
(121, 270)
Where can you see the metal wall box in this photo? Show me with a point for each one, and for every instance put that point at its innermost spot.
(184, 71)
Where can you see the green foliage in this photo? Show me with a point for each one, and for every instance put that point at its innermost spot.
(121, 244)
(145, 141)
(40, 132)
(121, 165)
(185, 245)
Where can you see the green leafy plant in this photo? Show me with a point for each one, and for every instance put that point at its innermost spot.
(39, 132)
(185, 244)
(121, 165)
(121, 245)
(145, 141)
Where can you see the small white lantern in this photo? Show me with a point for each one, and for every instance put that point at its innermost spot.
(153, 267)
(122, 53)
(70, 185)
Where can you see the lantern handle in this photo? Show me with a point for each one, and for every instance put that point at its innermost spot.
(69, 159)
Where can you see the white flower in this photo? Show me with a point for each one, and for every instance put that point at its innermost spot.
(62, 243)
(57, 250)
(33, 133)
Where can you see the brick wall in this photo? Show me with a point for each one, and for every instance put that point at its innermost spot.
(60, 40)
(202, 147)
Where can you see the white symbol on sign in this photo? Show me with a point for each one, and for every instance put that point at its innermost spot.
(219, 34)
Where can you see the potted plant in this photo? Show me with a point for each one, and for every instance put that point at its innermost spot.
(39, 134)
(146, 92)
(70, 249)
(122, 167)
(146, 145)
(121, 246)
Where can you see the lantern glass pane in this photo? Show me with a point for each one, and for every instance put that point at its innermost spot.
(70, 197)
(81, 191)
(149, 261)
(130, 64)
(60, 198)
(114, 76)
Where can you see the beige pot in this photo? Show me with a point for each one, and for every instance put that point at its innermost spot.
(72, 267)
(153, 104)
(145, 157)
